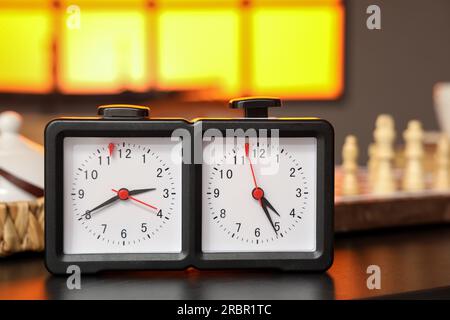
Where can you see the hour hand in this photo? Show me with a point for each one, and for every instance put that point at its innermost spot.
(139, 191)
(268, 204)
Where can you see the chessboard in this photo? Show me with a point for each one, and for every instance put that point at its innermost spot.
(401, 185)
(367, 210)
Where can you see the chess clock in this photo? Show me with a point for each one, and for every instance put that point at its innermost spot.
(265, 191)
(123, 192)
(116, 192)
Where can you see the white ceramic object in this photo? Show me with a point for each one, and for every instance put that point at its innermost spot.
(441, 97)
(20, 157)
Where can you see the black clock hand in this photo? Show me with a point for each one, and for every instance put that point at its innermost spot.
(116, 197)
(263, 205)
(107, 202)
(139, 191)
(268, 204)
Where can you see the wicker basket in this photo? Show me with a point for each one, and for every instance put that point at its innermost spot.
(21, 226)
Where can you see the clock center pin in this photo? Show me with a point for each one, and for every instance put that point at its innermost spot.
(258, 193)
(123, 194)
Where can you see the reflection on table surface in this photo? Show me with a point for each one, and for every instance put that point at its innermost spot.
(197, 285)
(410, 260)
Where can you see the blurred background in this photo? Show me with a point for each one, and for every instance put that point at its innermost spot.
(187, 58)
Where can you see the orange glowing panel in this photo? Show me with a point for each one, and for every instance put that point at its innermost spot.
(25, 52)
(104, 3)
(197, 3)
(298, 52)
(107, 53)
(199, 49)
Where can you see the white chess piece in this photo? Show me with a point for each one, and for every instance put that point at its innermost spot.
(371, 164)
(413, 176)
(442, 176)
(350, 166)
(384, 135)
(20, 157)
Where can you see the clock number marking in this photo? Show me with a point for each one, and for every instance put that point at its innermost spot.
(104, 227)
(216, 193)
(80, 194)
(166, 193)
(235, 159)
(123, 233)
(93, 175)
(292, 213)
(223, 213)
(292, 170)
(238, 226)
(144, 227)
(159, 214)
(159, 172)
(262, 153)
(257, 232)
(228, 174)
(277, 226)
(108, 160)
(127, 153)
(299, 193)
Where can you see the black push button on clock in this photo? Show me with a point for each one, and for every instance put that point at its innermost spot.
(255, 107)
(123, 111)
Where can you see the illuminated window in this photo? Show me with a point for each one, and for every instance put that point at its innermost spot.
(25, 50)
(221, 48)
(199, 50)
(297, 52)
(108, 53)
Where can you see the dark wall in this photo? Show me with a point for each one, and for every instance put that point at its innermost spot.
(391, 70)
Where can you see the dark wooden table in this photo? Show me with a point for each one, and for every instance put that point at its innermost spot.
(415, 263)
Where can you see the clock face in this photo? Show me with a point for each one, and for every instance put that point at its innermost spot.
(259, 197)
(122, 195)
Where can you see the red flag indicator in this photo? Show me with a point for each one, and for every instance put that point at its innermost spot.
(111, 148)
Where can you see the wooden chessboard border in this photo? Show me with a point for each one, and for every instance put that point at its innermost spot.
(359, 213)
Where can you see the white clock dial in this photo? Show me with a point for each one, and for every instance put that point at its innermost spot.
(248, 208)
(122, 195)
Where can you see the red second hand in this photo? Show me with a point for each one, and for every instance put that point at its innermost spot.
(247, 147)
(257, 192)
(137, 200)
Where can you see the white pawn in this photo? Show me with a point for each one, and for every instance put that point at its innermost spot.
(384, 135)
(413, 177)
(371, 164)
(442, 177)
(350, 166)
